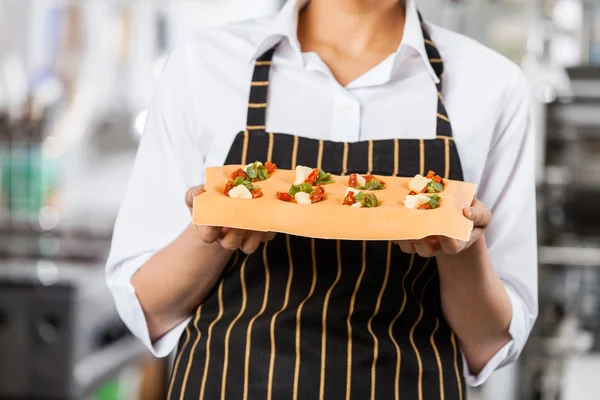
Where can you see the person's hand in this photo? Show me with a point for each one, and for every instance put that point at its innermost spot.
(440, 245)
(229, 238)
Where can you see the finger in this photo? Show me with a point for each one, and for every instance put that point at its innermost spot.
(210, 234)
(233, 239)
(450, 246)
(191, 193)
(424, 248)
(406, 247)
(478, 213)
(251, 242)
(268, 236)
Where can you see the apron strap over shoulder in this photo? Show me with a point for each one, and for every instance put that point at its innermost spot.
(257, 106)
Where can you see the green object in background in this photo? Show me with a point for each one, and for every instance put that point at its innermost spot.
(109, 391)
(28, 180)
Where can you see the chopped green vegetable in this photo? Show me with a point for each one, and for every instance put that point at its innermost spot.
(323, 178)
(251, 171)
(241, 181)
(257, 171)
(367, 199)
(303, 187)
(249, 185)
(434, 201)
(373, 184)
(262, 173)
(434, 187)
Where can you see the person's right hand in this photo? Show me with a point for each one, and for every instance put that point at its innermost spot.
(229, 238)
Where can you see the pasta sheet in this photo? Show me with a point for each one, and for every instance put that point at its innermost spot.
(329, 219)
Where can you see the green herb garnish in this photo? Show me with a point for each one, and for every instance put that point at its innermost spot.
(434, 187)
(241, 181)
(373, 184)
(366, 199)
(323, 178)
(303, 187)
(434, 201)
(256, 171)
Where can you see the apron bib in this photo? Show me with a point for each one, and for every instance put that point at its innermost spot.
(307, 318)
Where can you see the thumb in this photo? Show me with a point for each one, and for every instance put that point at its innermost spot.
(191, 193)
(478, 213)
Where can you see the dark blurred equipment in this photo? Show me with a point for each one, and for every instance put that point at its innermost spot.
(569, 322)
(60, 335)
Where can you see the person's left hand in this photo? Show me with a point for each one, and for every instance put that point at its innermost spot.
(432, 246)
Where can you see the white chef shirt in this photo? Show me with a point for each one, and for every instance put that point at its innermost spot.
(201, 104)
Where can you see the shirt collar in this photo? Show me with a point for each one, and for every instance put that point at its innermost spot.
(286, 27)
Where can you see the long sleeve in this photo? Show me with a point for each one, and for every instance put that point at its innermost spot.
(508, 189)
(153, 212)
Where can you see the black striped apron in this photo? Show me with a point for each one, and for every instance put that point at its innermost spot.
(326, 319)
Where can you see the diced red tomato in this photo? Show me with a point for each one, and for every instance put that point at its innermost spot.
(352, 181)
(425, 206)
(271, 167)
(256, 193)
(313, 176)
(430, 174)
(317, 194)
(238, 172)
(369, 178)
(228, 187)
(284, 196)
(438, 179)
(412, 193)
(349, 199)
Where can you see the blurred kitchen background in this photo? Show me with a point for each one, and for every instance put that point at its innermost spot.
(76, 77)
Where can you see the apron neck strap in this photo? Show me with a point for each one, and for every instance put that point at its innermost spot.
(257, 105)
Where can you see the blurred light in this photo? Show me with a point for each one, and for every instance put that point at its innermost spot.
(47, 272)
(49, 218)
(140, 123)
(568, 14)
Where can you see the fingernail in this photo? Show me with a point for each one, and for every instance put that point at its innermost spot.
(196, 192)
(468, 213)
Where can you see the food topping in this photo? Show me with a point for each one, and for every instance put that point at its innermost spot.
(314, 176)
(302, 198)
(301, 174)
(317, 194)
(241, 188)
(303, 193)
(366, 182)
(432, 183)
(256, 171)
(422, 202)
(349, 199)
(284, 196)
(356, 198)
(271, 167)
(237, 173)
(240, 192)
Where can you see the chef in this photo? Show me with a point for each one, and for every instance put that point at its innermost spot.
(350, 86)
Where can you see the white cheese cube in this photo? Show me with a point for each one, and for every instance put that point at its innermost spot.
(418, 183)
(302, 198)
(352, 190)
(416, 200)
(301, 174)
(240, 192)
(360, 181)
(357, 205)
